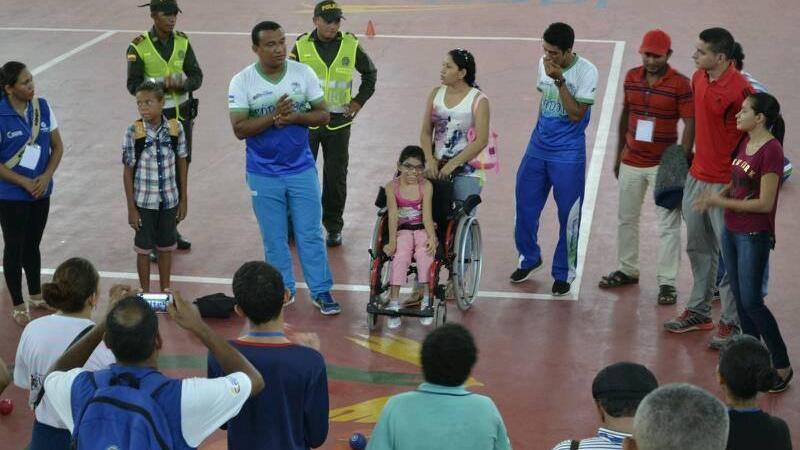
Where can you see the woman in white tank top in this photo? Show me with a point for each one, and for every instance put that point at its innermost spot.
(448, 117)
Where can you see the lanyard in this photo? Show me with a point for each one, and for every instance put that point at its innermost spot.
(266, 334)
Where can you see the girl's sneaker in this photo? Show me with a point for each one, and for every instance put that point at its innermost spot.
(394, 322)
(426, 301)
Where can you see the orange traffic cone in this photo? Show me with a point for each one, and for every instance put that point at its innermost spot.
(370, 30)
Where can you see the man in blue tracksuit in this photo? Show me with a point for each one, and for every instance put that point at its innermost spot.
(555, 157)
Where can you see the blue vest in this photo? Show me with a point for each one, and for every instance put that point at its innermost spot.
(168, 398)
(15, 132)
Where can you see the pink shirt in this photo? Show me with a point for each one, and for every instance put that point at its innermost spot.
(746, 184)
(409, 212)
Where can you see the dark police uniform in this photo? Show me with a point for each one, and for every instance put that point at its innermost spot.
(335, 137)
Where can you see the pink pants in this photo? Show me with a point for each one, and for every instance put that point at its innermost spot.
(410, 242)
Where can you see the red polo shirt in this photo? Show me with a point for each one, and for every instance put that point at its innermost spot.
(668, 100)
(716, 104)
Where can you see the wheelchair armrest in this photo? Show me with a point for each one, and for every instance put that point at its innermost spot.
(470, 203)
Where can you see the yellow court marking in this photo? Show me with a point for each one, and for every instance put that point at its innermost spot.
(397, 347)
(364, 412)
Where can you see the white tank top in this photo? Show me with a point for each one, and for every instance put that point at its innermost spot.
(450, 125)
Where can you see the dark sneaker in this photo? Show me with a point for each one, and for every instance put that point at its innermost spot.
(689, 321)
(560, 288)
(724, 333)
(521, 274)
(326, 304)
(183, 244)
(782, 384)
(334, 239)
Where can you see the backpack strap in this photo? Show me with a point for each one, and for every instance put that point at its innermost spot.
(77, 338)
(139, 138)
(574, 445)
(174, 133)
(36, 123)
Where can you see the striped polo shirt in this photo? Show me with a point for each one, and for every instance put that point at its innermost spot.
(605, 440)
(663, 103)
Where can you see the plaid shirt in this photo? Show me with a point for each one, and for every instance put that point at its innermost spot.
(155, 184)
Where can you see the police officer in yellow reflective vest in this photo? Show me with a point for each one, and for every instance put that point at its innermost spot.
(334, 56)
(165, 56)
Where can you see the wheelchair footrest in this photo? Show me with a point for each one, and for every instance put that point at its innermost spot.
(414, 312)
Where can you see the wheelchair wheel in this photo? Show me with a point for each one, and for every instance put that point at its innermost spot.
(439, 314)
(468, 264)
(380, 265)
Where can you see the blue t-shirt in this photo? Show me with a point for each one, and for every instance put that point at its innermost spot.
(276, 151)
(291, 413)
(555, 137)
(14, 133)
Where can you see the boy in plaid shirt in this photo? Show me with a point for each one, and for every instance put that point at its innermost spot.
(155, 180)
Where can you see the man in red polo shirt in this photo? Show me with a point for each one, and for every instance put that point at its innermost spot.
(656, 97)
(719, 90)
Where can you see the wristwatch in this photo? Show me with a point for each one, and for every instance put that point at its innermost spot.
(558, 82)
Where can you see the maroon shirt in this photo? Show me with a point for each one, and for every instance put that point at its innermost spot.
(746, 184)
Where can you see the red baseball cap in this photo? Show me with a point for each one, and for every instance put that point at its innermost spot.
(656, 42)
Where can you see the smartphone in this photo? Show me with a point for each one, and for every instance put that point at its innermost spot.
(158, 302)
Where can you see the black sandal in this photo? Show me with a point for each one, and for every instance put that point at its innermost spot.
(617, 279)
(667, 295)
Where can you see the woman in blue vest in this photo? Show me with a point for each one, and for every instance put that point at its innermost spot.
(30, 150)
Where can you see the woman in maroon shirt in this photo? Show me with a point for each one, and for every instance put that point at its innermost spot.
(750, 202)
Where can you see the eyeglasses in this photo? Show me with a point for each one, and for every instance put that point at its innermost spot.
(412, 167)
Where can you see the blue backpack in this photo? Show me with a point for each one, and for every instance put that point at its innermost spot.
(123, 414)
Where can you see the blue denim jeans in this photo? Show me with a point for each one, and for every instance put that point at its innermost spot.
(273, 199)
(764, 283)
(746, 257)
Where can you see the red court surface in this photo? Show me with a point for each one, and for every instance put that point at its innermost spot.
(537, 355)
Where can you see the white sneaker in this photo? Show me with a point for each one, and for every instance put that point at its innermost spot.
(394, 322)
(422, 306)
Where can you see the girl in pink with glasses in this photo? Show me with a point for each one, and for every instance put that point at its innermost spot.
(411, 230)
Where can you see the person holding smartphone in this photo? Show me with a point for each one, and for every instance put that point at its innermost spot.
(191, 409)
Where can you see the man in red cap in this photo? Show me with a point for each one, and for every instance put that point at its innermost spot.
(656, 97)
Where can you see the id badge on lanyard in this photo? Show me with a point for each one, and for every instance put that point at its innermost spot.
(645, 127)
(30, 158)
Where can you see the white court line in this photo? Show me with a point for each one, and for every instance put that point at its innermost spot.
(592, 176)
(596, 163)
(387, 36)
(84, 46)
(301, 285)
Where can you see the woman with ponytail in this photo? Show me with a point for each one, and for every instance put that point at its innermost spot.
(452, 109)
(30, 151)
(744, 370)
(750, 202)
(73, 294)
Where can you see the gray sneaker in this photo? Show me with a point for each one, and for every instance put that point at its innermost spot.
(724, 333)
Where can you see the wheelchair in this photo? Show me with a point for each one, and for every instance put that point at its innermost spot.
(459, 253)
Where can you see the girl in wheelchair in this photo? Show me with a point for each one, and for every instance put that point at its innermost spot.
(412, 233)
